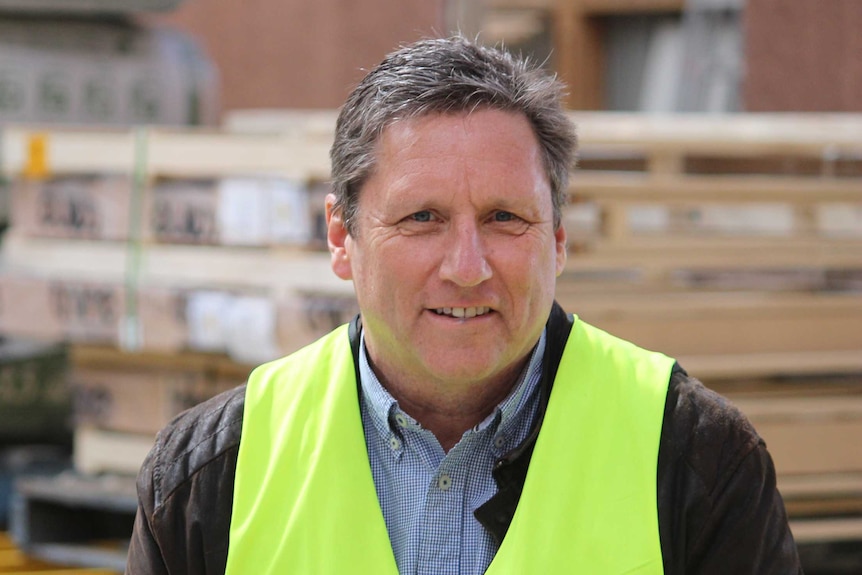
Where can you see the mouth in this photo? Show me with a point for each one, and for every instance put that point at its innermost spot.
(462, 312)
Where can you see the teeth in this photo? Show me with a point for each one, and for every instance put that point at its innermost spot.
(463, 312)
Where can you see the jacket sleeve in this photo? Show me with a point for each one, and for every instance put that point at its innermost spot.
(185, 492)
(144, 553)
(719, 508)
(744, 529)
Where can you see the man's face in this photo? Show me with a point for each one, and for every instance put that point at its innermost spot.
(455, 257)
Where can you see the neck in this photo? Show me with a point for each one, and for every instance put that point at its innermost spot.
(448, 410)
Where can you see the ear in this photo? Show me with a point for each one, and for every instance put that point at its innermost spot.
(337, 238)
(561, 241)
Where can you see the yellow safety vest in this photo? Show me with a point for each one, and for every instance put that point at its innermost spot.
(305, 502)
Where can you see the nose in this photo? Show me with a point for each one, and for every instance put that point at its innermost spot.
(464, 261)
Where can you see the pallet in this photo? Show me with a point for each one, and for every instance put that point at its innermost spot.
(14, 561)
(710, 185)
(668, 248)
(75, 520)
(735, 333)
(809, 425)
(43, 151)
(807, 169)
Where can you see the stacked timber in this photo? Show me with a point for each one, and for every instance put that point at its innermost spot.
(172, 261)
(735, 245)
(731, 243)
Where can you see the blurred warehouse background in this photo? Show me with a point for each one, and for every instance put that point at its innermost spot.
(162, 169)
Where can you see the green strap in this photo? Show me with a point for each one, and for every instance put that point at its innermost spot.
(131, 335)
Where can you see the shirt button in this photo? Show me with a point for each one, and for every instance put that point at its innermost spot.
(500, 441)
(400, 420)
(444, 482)
(394, 443)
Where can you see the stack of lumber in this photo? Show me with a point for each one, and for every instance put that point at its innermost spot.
(165, 240)
(173, 261)
(732, 243)
(735, 245)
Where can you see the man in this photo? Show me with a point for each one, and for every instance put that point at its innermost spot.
(463, 423)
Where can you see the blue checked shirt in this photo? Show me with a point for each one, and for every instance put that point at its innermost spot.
(428, 496)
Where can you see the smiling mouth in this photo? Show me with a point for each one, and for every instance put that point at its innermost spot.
(462, 312)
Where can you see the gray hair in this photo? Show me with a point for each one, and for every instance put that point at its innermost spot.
(450, 75)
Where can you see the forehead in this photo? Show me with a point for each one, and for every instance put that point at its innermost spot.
(474, 142)
(483, 161)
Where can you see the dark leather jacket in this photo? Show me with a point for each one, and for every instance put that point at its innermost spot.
(719, 510)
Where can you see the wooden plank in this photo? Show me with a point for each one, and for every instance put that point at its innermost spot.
(579, 56)
(176, 266)
(77, 150)
(106, 357)
(819, 136)
(315, 124)
(186, 153)
(608, 7)
(200, 154)
(696, 252)
(735, 135)
(825, 505)
(809, 486)
(708, 304)
(760, 365)
(802, 410)
(725, 324)
(287, 150)
(686, 189)
(103, 451)
(801, 446)
(819, 530)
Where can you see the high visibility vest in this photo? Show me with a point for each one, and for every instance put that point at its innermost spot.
(304, 497)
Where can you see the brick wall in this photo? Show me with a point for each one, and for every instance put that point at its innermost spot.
(803, 55)
(300, 53)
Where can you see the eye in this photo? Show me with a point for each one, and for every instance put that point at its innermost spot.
(508, 223)
(423, 216)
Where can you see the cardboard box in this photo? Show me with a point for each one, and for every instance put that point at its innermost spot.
(93, 312)
(252, 327)
(140, 400)
(236, 211)
(305, 317)
(97, 207)
(184, 211)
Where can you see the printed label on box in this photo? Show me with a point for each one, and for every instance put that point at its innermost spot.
(243, 211)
